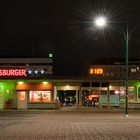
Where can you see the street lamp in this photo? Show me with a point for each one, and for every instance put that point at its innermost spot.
(101, 22)
(126, 36)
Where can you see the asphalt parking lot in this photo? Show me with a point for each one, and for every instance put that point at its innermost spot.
(69, 125)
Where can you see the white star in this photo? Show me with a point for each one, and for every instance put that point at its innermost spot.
(29, 71)
(42, 71)
(36, 71)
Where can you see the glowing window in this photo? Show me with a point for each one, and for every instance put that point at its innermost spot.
(22, 95)
(39, 96)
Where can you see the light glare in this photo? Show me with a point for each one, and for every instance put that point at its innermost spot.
(100, 21)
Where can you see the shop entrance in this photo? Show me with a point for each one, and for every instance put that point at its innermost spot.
(22, 99)
(67, 98)
(90, 98)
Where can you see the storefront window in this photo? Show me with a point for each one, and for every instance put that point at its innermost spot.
(122, 95)
(103, 92)
(131, 96)
(39, 96)
(138, 92)
(103, 100)
(22, 95)
(90, 98)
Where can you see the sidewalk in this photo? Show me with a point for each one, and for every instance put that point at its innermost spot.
(68, 125)
(96, 109)
(75, 109)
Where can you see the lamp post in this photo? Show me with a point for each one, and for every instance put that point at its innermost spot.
(126, 35)
(101, 22)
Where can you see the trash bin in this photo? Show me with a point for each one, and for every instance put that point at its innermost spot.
(8, 104)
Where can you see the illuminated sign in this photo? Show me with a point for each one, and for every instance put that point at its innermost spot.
(13, 72)
(122, 92)
(96, 71)
(116, 92)
(37, 72)
(23, 72)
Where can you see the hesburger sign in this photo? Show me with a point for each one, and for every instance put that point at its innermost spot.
(13, 72)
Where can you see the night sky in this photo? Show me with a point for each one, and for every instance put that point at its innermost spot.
(33, 28)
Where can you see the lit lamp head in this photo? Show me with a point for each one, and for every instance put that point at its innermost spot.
(100, 22)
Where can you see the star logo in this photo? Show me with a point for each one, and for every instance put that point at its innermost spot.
(42, 71)
(36, 71)
(29, 71)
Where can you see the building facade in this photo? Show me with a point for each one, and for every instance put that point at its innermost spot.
(30, 84)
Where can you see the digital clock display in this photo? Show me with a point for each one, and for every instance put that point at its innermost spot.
(96, 71)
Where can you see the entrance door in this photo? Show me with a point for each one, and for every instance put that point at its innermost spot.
(22, 100)
(67, 97)
(1, 100)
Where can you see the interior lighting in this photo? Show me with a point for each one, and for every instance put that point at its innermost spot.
(20, 82)
(45, 82)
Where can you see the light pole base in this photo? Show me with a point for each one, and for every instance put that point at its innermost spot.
(126, 115)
